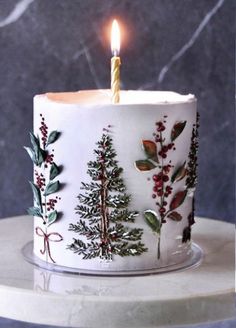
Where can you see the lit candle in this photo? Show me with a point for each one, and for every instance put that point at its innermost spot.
(115, 63)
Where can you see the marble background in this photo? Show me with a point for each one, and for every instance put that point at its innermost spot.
(59, 45)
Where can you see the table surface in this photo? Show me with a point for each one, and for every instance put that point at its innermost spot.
(201, 294)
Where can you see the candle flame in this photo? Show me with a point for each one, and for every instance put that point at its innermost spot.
(115, 38)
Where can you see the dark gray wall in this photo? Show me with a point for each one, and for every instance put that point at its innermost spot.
(62, 45)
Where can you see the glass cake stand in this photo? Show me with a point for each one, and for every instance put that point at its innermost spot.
(194, 260)
(203, 293)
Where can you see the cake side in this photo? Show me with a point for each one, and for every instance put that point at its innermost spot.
(144, 219)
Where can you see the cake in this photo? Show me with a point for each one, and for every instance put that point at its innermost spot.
(113, 183)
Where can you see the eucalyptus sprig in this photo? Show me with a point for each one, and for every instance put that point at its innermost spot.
(46, 170)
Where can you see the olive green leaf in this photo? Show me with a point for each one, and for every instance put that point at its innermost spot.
(175, 216)
(177, 129)
(152, 220)
(36, 194)
(53, 136)
(35, 211)
(178, 199)
(51, 188)
(179, 173)
(52, 218)
(54, 171)
(144, 165)
(150, 149)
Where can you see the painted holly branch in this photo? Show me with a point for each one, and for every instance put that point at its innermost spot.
(157, 159)
(44, 184)
(102, 209)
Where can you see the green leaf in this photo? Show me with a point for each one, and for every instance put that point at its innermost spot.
(54, 171)
(179, 173)
(30, 153)
(177, 129)
(53, 136)
(52, 218)
(178, 199)
(150, 149)
(36, 194)
(152, 220)
(39, 154)
(35, 142)
(51, 188)
(35, 211)
(144, 165)
(175, 216)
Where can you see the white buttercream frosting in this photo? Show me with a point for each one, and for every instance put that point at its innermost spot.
(130, 97)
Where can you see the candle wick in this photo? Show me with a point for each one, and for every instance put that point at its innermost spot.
(115, 53)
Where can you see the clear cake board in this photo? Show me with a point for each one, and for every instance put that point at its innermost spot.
(193, 261)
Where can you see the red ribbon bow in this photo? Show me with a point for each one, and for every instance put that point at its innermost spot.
(47, 238)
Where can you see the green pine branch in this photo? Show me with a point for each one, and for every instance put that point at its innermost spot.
(93, 186)
(123, 215)
(128, 249)
(90, 199)
(91, 232)
(118, 201)
(86, 212)
(88, 250)
(120, 232)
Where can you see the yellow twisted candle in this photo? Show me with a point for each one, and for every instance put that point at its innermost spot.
(115, 79)
(115, 63)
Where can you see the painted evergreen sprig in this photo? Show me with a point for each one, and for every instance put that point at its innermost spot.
(191, 180)
(103, 207)
(188, 229)
(156, 152)
(45, 183)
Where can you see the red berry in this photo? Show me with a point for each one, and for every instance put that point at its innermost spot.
(155, 177)
(165, 178)
(161, 128)
(159, 184)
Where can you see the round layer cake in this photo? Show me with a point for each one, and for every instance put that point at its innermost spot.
(113, 183)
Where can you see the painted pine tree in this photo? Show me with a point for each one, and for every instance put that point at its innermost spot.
(103, 210)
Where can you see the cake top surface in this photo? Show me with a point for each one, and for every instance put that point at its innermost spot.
(130, 97)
